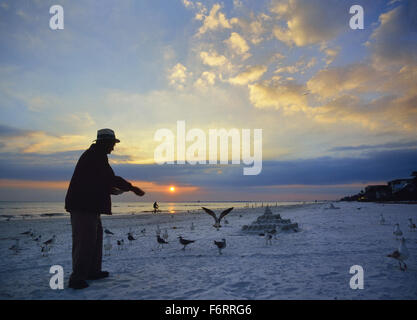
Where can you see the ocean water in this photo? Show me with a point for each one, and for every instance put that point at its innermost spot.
(26, 210)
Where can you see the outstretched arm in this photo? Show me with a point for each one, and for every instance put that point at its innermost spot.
(124, 185)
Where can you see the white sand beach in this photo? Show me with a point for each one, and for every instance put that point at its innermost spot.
(313, 263)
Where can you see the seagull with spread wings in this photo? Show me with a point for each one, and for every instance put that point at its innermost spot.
(217, 220)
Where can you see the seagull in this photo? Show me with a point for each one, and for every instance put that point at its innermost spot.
(29, 232)
(107, 231)
(272, 232)
(220, 244)
(15, 247)
(51, 241)
(397, 232)
(185, 242)
(217, 220)
(107, 246)
(411, 225)
(165, 235)
(161, 241)
(382, 220)
(130, 237)
(45, 249)
(268, 239)
(401, 254)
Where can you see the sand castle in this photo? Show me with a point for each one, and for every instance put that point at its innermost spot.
(269, 221)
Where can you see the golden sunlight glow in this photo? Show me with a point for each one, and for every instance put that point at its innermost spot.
(172, 189)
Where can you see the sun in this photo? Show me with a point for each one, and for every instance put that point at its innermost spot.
(172, 189)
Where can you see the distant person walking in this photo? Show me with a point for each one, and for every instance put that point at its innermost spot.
(88, 197)
(155, 207)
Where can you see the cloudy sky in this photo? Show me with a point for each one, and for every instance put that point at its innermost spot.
(337, 107)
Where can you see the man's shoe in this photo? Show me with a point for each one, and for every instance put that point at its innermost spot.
(98, 275)
(79, 284)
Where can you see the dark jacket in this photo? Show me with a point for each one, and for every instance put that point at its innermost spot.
(92, 183)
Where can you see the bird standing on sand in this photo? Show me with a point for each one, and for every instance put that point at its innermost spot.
(397, 231)
(29, 232)
(411, 225)
(107, 231)
(382, 220)
(401, 254)
(130, 238)
(45, 249)
(16, 246)
(268, 239)
(220, 245)
(49, 243)
(165, 235)
(217, 220)
(120, 244)
(107, 246)
(273, 233)
(185, 242)
(161, 241)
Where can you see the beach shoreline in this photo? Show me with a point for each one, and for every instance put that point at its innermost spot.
(310, 264)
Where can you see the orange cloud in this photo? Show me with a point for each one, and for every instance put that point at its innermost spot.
(31, 184)
(147, 186)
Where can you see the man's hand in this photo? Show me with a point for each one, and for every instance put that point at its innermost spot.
(138, 191)
(116, 191)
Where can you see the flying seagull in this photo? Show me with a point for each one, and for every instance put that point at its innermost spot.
(220, 244)
(185, 242)
(217, 220)
(401, 254)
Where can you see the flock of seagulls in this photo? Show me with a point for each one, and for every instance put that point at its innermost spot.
(163, 239)
(401, 254)
(45, 246)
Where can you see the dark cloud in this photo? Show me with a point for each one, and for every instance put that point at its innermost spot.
(7, 131)
(370, 167)
(389, 145)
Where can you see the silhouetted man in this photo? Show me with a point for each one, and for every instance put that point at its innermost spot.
(88, 197)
